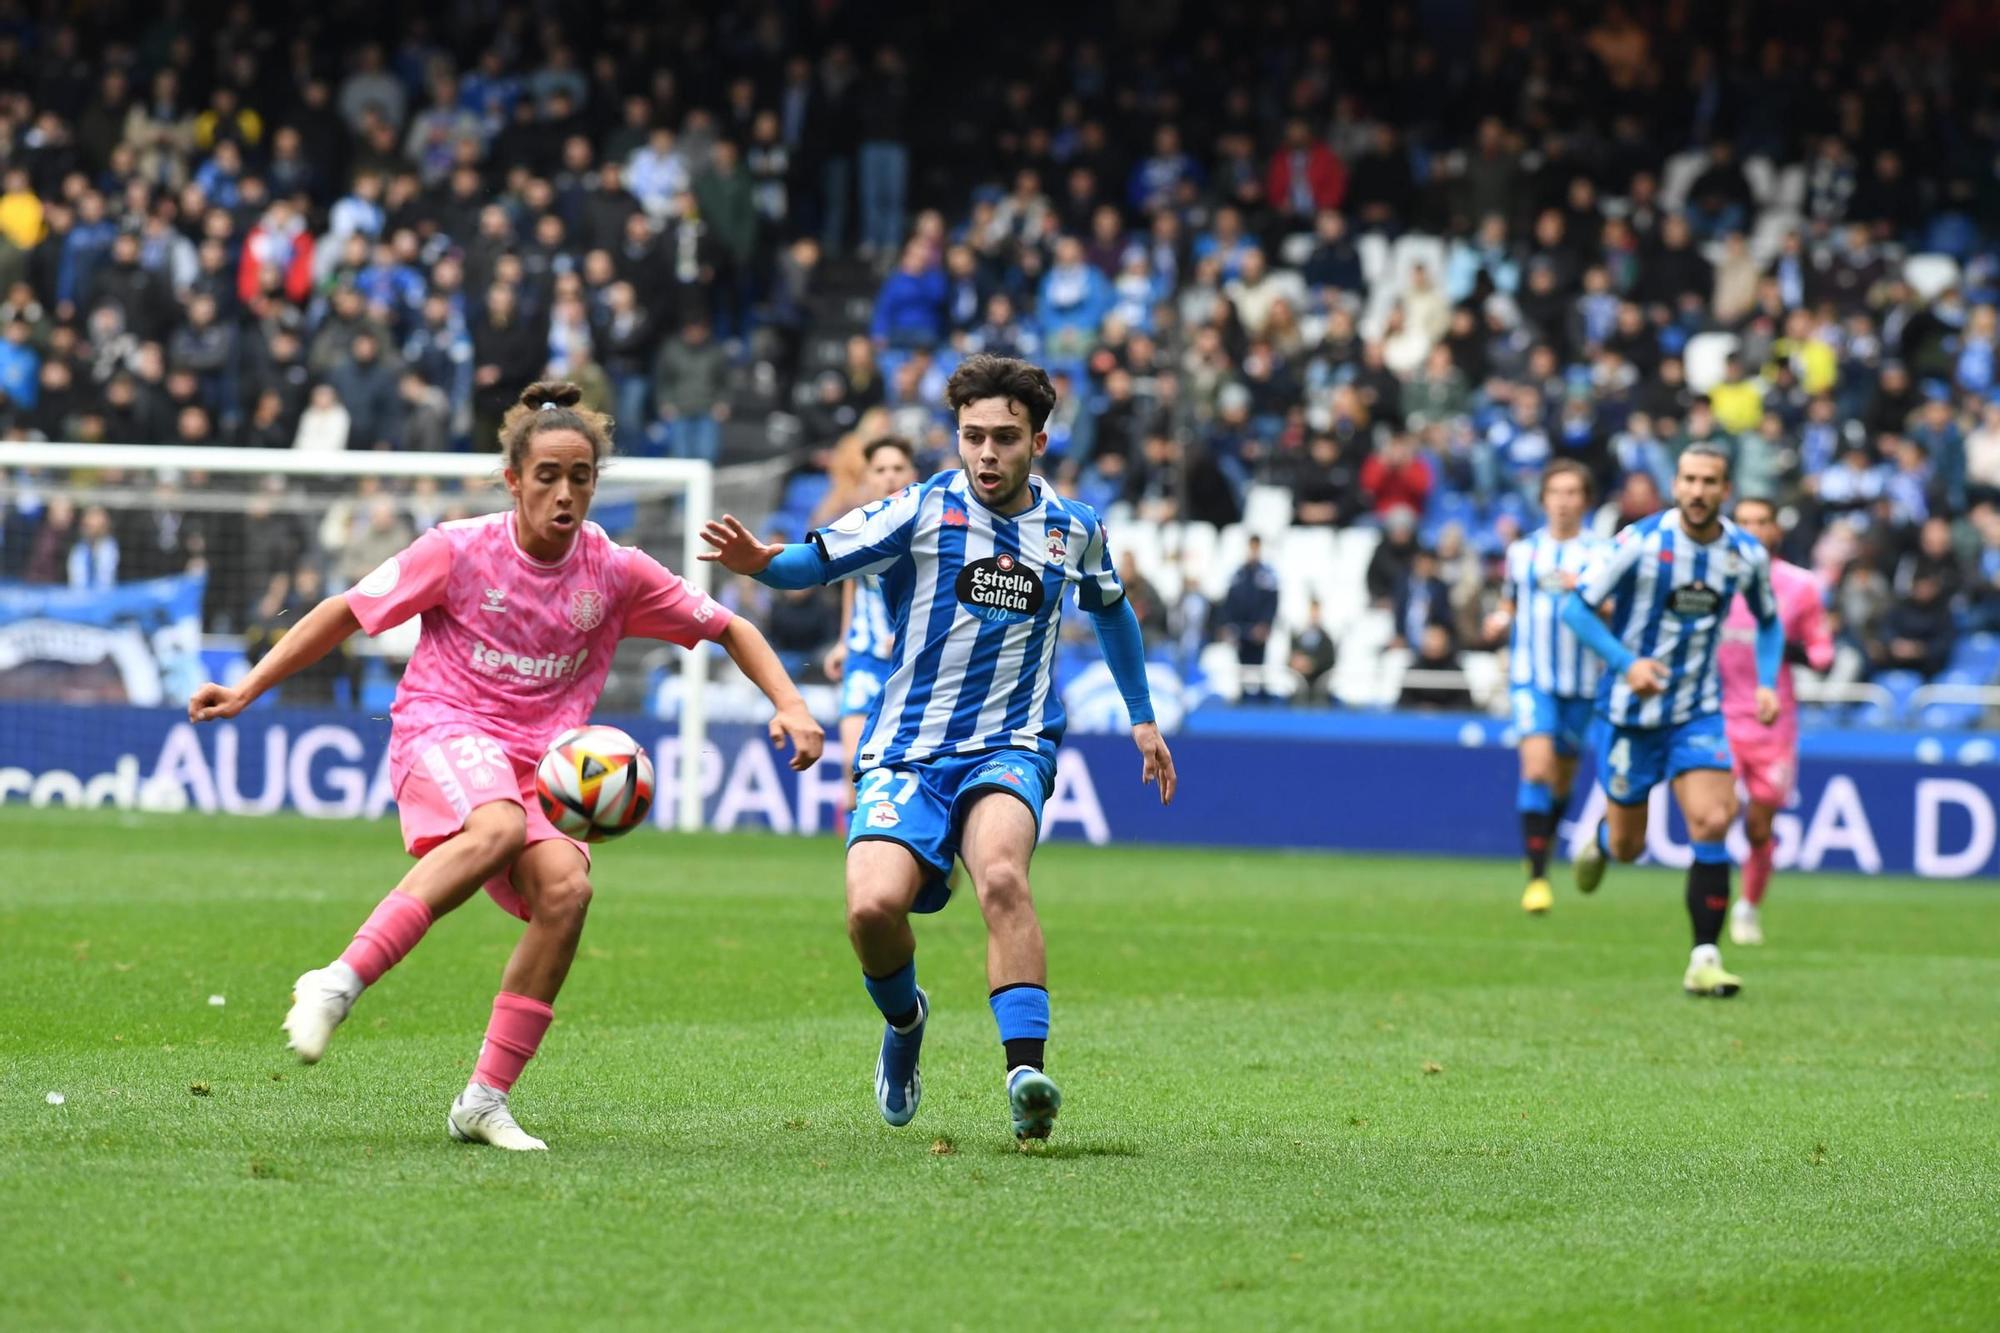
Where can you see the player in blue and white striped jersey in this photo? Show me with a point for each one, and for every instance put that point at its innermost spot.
(974, 565)
(859, 660)
(1665, 588)
(1552, 676)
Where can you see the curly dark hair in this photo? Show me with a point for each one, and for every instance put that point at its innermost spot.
(989, 376)
(549, 405)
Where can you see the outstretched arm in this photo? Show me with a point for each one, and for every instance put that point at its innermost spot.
(1124, 648)
(753, 656)
(318, 633)
(740, 551)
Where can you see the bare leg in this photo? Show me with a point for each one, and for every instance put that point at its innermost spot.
(999, 840)
(455, 869)
(883, 879)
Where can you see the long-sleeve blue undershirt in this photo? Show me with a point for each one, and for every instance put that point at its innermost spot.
(1597, 636)
(800, 565)
(1124, 649)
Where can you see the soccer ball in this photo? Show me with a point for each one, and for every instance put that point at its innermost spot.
(595, 783)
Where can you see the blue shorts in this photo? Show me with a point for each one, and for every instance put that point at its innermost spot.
(921, 806)
(861, 682)
(1631, 761)
(1567, 721)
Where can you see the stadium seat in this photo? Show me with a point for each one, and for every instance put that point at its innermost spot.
(1267, 510)
(1680, 174)
(1950, 716)
(1484, 678)
(1374, 251)
(1928, 275)
(1704, 359)
(804, 492)
(1900, 685)
(1222, 671)
(1977, 659)
(1357, 673)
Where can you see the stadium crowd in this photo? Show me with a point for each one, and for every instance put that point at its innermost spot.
(1386, 264)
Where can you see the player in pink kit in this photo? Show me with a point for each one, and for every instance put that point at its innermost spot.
(1767, 758)
(521, 612)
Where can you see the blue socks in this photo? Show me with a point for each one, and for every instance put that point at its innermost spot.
(895, 995)
(1534, 798)
(1022, 1013)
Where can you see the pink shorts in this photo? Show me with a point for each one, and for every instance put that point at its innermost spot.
(452, 774)
(1767, 761)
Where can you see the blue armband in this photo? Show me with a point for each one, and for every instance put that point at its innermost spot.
(799, 565)
(1588, 626)
(1124, 649)
(1770, 652)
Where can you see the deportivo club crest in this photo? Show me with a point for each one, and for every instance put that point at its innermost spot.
(586, 608)
(1058, 545)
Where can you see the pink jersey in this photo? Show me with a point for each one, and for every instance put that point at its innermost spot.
(1804, 620)
(512, 647)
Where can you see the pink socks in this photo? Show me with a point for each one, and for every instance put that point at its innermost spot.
(511, 1039)
(518, 1023)
(390, 931)
(1757, 871)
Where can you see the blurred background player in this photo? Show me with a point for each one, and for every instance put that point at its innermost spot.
(1767, 757)
(975, 564)
(1552, 677)
(521, 613)
(1665, 585)
(859, 659)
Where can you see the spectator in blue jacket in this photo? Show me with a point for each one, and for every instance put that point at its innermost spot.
(20, 366)
(909, 311)
(88, 242)
(1075, 298)
(1157, 178)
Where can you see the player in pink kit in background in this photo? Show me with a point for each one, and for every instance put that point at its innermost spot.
(1767, 758)
(521, 612)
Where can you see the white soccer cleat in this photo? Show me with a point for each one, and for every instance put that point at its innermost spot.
(480, 1115)
(320, 1000)
(1744, 925)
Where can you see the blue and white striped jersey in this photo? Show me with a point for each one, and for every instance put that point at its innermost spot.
(1545, 653)
(1668, 596)
(870, 633)
(975, 603)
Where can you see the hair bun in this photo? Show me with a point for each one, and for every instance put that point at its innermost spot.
(560, 392)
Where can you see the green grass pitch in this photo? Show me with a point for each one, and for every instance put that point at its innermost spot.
(1302, 1092)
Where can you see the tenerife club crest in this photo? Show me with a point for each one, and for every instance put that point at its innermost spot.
(586, 608)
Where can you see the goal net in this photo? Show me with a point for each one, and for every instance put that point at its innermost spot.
(129, 574)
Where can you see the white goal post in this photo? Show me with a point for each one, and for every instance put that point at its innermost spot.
(693, 479)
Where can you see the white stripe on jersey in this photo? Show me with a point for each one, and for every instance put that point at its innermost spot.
(949, 680)
(870, 631)
(978, 673)
(1544, 653)
(1668, 596)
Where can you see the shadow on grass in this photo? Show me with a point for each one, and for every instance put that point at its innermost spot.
(1069, 1151)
